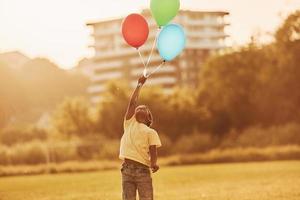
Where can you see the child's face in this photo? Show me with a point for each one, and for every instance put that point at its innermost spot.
(142, 114)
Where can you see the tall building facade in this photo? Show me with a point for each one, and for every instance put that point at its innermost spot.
(115, 59)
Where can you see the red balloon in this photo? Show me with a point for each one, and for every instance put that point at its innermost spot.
(135, 30)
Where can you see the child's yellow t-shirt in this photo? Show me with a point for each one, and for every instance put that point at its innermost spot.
(136, 140)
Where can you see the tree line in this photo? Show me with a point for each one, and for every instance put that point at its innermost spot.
(247, 96)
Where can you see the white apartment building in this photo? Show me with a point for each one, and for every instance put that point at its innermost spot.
(115, 59)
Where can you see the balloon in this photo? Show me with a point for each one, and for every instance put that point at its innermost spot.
(135, 30)
(164, 10)
(171, 41)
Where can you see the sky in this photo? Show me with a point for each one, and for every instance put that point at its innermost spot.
(57, 29)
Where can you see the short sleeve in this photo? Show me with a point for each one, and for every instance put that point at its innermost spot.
(154, 138)
(128, 122)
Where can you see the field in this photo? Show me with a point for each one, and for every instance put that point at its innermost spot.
(258, 180)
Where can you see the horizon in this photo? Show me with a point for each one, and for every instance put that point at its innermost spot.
(41, 31)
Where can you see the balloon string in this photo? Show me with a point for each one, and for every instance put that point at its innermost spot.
(155, 70)
(153, 45)
(141, 57)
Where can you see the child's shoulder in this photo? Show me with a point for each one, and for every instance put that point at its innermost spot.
(129, 121)
(150, 130)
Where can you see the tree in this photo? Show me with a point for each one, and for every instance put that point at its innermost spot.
(72, 118)
(229, 88)
(175, 114)
(289, 31)
(288, 70)
(111, 110)
(254, 85)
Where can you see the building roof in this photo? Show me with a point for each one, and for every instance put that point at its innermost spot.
(108, 20)
(147, 12)
(196, 11)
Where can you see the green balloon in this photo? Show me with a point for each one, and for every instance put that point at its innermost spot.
(164, 11)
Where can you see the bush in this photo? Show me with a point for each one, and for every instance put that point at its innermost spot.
(63, 153)
(250, 154)
(109, 149)
(287, 134)
(197, 142)
(4, 157)
(37, 152)
(86, 151)
(167, 145)
(28, 153)
(12, 136)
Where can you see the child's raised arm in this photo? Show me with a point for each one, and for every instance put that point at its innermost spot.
(134, 97)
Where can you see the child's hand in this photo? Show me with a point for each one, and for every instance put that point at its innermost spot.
(142, 80)
(154, 168)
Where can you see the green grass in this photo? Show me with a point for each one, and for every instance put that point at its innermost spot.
(262, 180)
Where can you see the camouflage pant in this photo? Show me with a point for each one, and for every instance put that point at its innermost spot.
(136, 178)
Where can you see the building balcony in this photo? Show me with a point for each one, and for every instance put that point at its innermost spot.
(106, 76)
(154, 58)
(163, 69)
(124, 51)
(206, 34)
(96, 89)
(158, 81)
(205, 45)
(116, 64)
(96, 99)
(114, 28)
(206, 22)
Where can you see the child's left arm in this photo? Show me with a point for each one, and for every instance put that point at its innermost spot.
(153, 158)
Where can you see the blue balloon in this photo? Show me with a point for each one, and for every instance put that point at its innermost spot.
(171, 41)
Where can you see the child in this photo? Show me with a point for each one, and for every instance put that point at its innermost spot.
(138, 149)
